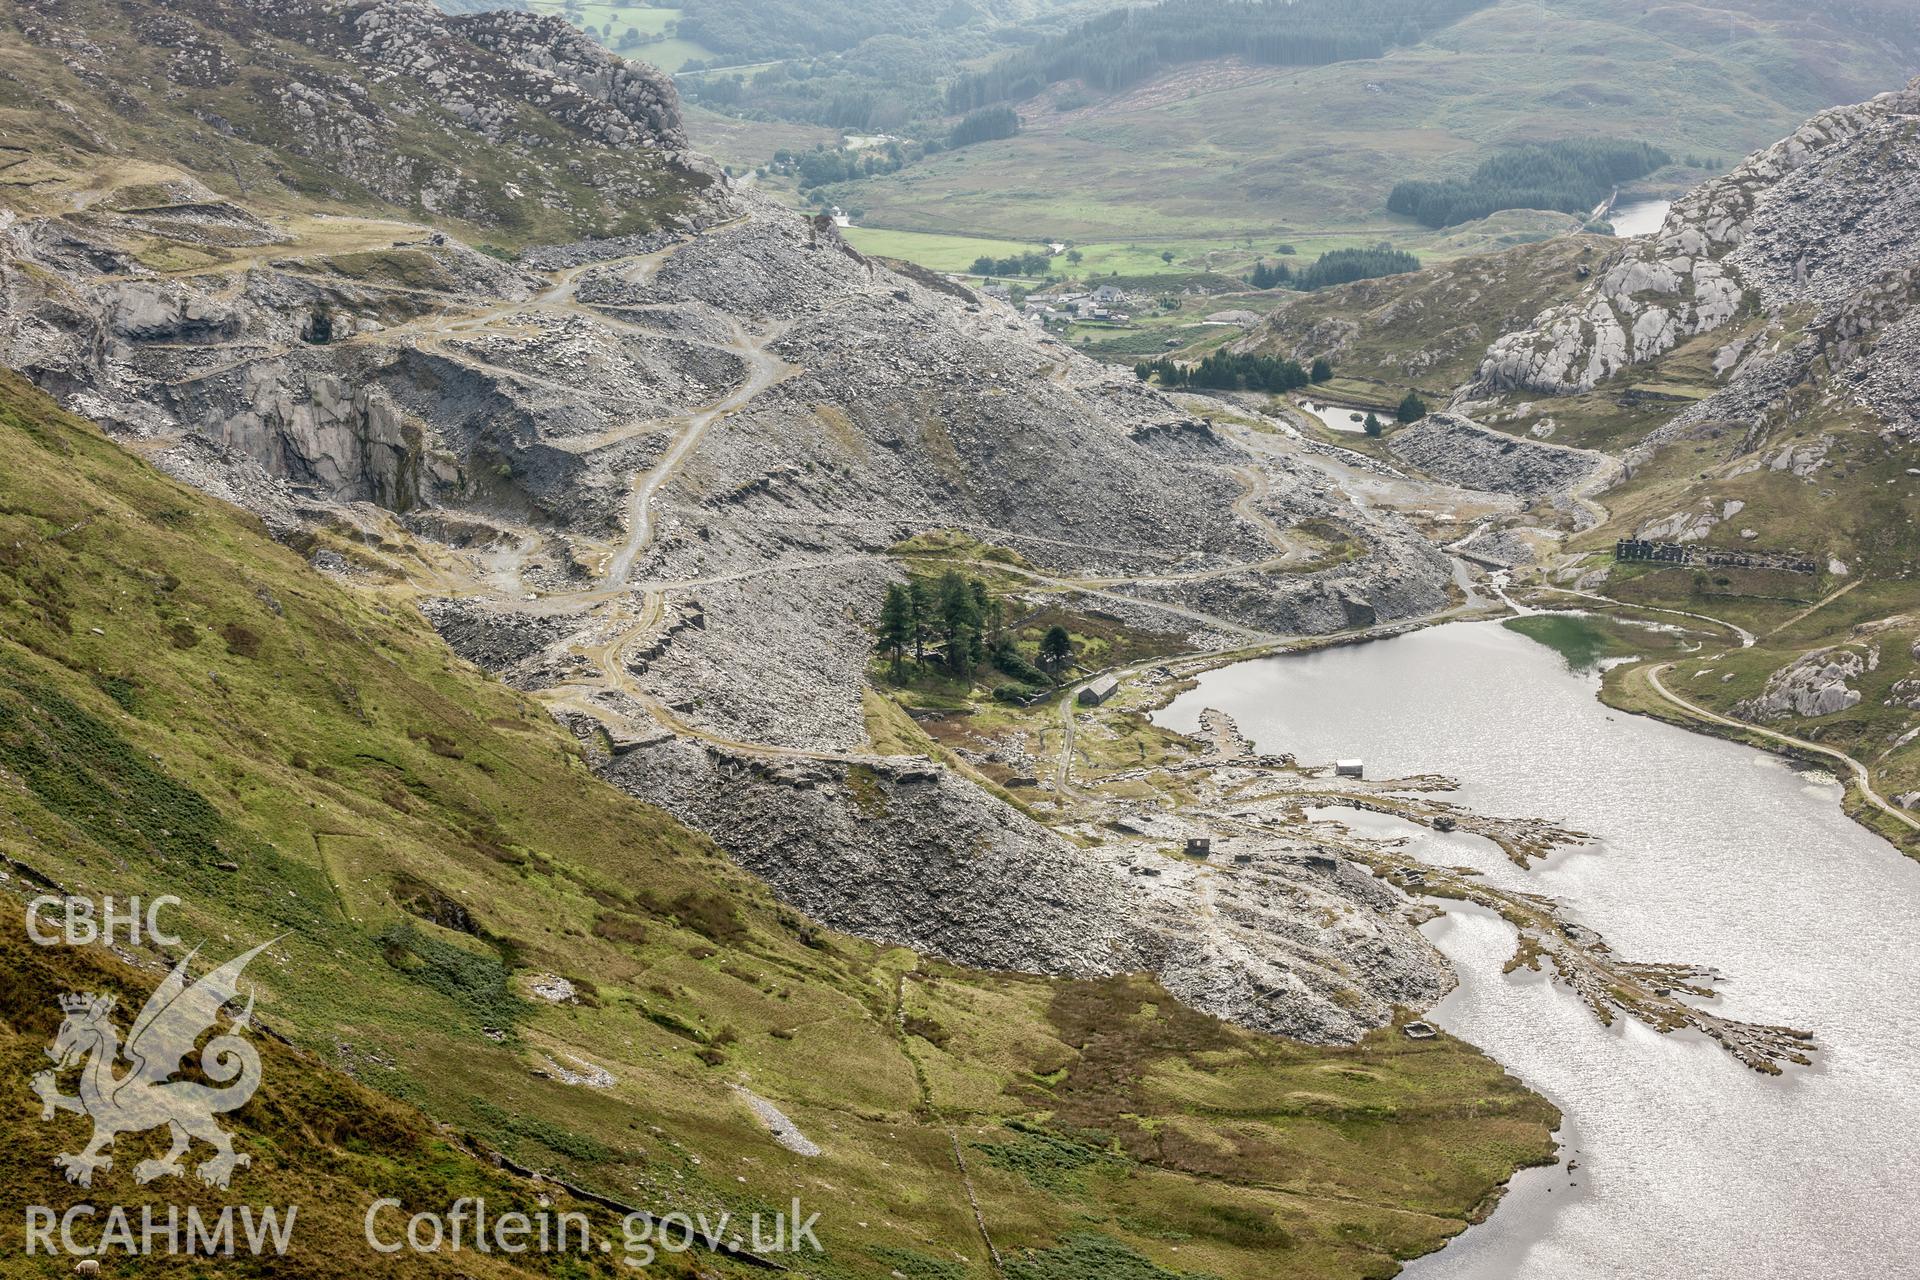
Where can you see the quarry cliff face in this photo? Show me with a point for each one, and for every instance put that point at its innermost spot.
(736, 425)
(655, 478)
(1818, 218)
(661, 479)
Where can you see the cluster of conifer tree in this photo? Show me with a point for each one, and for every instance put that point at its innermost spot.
(1228, 371)
(1570, 176)
(1122, 48)
(953, 624)
(984, 124)
(1267, 275)
(1343, 266)
(1031, 263)
(1338, 266)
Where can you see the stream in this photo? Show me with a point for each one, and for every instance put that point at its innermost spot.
(1686, 1163)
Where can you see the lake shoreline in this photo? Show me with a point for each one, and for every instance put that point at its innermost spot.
(1652, 875)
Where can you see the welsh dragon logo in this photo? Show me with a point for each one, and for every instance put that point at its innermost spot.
(143, 1095)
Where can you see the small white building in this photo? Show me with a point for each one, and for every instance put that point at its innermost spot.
(1349, 769)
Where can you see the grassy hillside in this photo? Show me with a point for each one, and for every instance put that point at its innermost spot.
(1855, 515)
(320, 1142)
(292, 111)
(644, 32)
(1431, 329)
(1215, 150)
(185, 707)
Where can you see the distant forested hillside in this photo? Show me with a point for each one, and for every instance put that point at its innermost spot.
(866, 66)
(884, 85)
(1571, 176)
(1123, 48)
(756, 30)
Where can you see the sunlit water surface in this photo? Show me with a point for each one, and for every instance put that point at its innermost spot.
(1689, 1165)
(1641, 218)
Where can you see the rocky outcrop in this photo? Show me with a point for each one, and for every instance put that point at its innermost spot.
(1809, 220)
(1814, 684)
(1863, 351)
(1690, 525)
(504, 118)
(1430, 328)
(538, 58)
(1461, 452)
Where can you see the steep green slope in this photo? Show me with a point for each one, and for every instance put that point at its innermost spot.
(186, 707)
(321, 1145)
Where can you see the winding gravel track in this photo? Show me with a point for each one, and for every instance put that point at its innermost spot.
(1862, 778)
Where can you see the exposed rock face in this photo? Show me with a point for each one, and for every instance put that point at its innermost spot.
(1814, 684)
(496, 118)
(806, 410)
(1811, 219)
(1459, 451)
(543, 58)
(1692, 525)
(1863, 351)
(1904, 693)
(656, 478)
(906, 853)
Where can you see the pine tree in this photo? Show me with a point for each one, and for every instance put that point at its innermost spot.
(1373, 426)
(1411, 409)
(896, 624)
(1055, 647)
(922, 599)
(1322, 369)
(959, 621)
